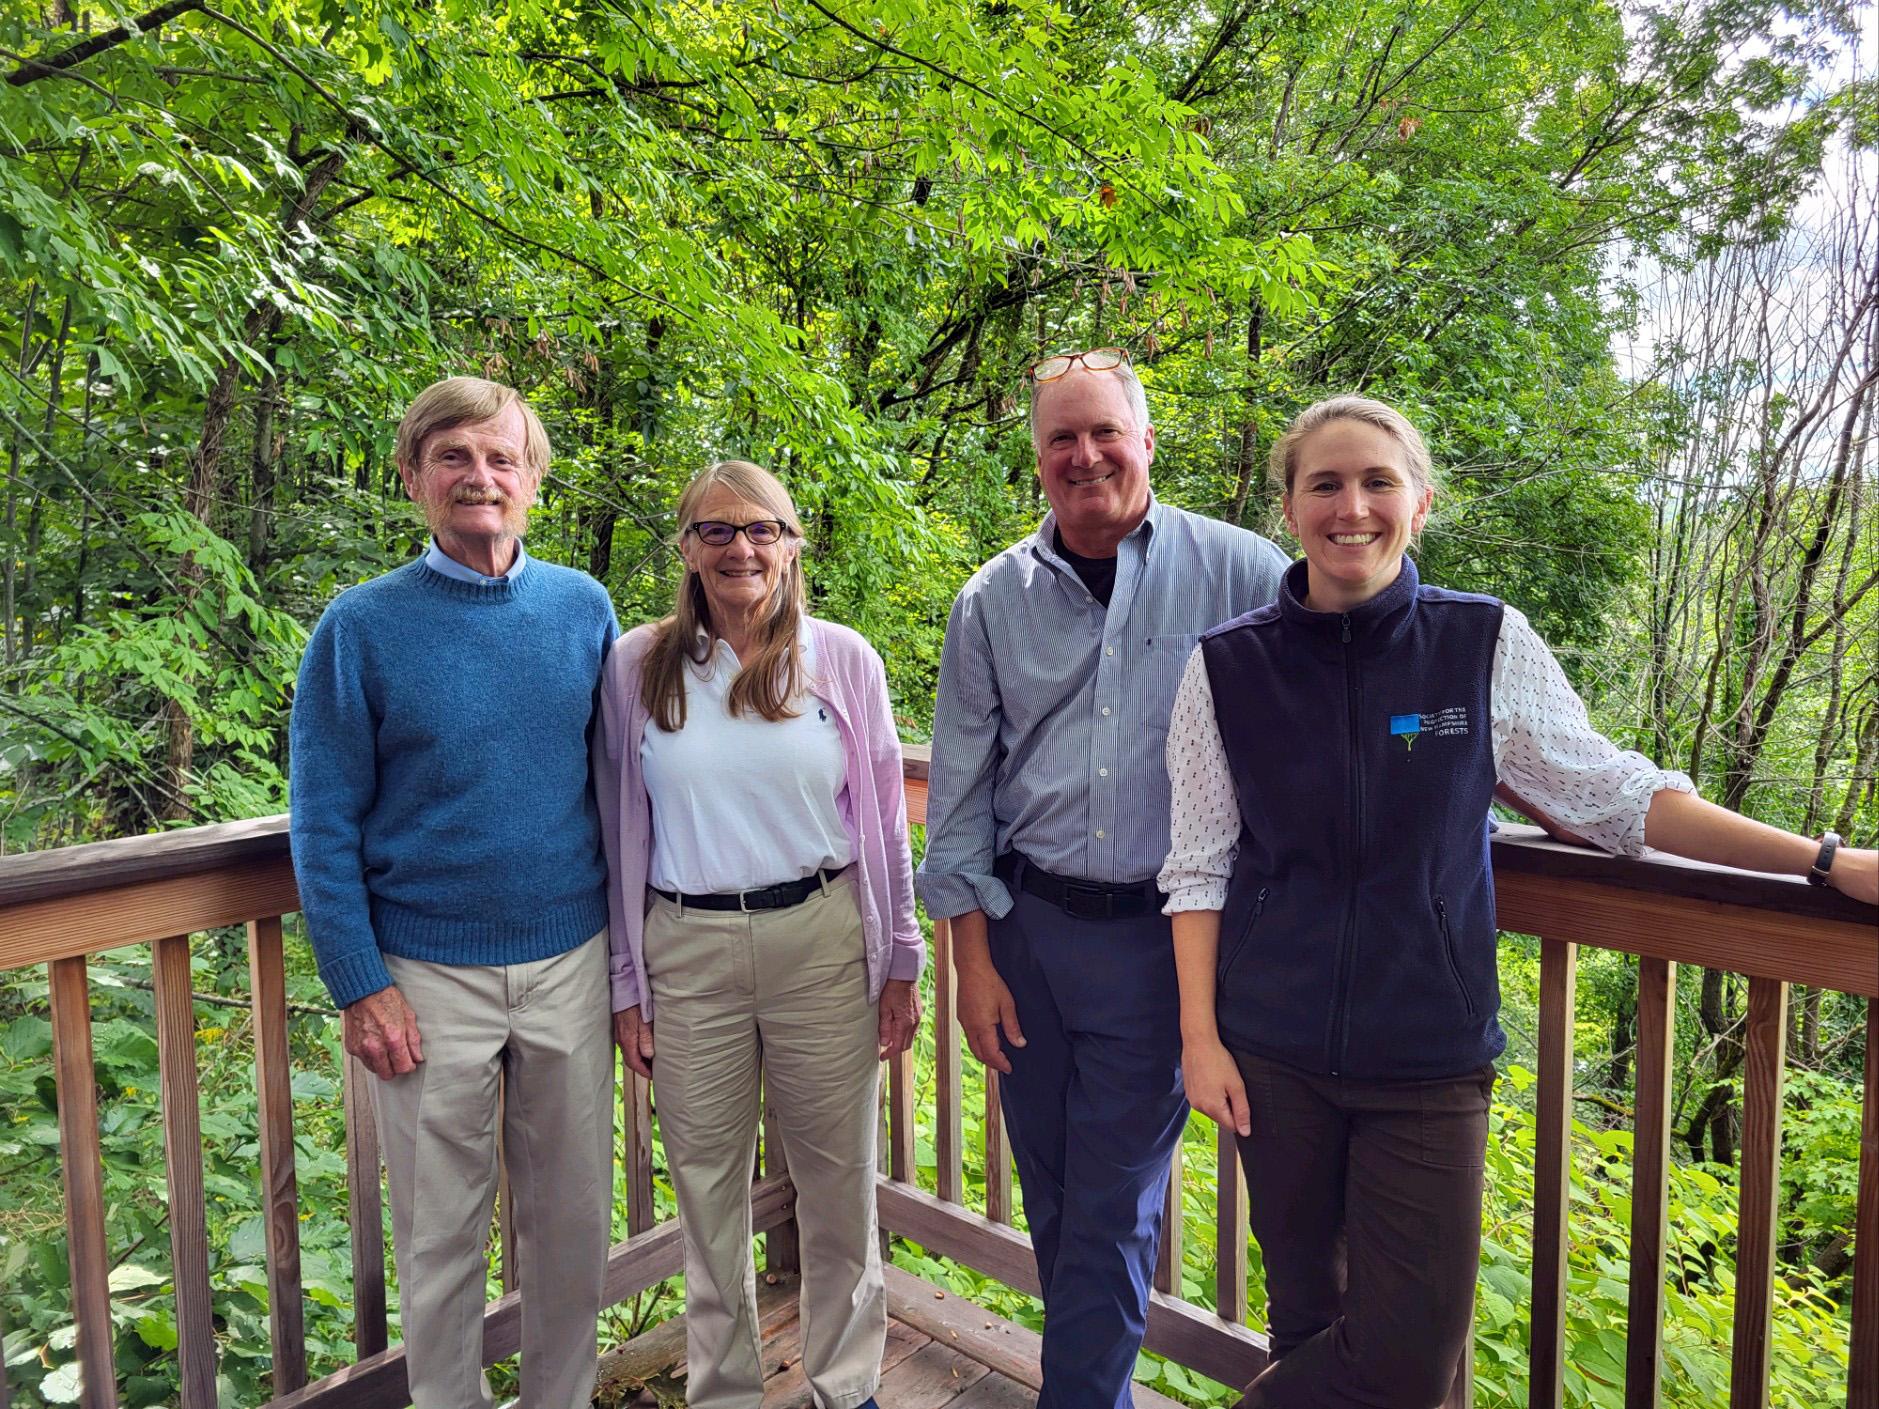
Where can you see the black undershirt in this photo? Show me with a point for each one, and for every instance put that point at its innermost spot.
(1098, 574)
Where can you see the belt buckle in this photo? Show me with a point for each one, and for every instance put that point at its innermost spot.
(1082, 901)
(743, 901)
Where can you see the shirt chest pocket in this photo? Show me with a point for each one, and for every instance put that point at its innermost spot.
(1164, 658)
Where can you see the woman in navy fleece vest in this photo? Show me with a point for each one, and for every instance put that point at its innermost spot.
(1332, 758)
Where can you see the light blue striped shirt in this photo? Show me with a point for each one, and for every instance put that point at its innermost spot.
(1052, 715)
(437, 560)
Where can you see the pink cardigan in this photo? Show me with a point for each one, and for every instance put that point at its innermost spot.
(852, 683)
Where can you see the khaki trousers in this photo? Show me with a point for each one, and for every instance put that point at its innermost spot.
(545, 1029)
(786, 990)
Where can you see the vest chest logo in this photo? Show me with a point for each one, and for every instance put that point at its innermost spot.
(1441, 723)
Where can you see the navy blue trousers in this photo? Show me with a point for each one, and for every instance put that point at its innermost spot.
(1094, 1107)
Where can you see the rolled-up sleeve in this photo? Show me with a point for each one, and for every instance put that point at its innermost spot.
(1204, 811)
(961, 840)
(1547, 751)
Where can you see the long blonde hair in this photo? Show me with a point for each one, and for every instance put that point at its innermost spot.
(774, 679)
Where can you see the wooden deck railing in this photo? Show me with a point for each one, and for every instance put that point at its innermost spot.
(1666, 911)
(57, 908)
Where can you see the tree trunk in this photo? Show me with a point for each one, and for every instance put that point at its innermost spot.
(1624, 1032)
(1713, 1127)
(1248, 459)
(36, 517)
(262, 467)
(84, 509)
(9, 563)
(206, 472)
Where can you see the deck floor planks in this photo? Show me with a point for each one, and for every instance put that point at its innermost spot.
(942, 1352)
(788, 1387)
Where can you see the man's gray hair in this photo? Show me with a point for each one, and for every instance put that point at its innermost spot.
(1123, 372)
(459, 401)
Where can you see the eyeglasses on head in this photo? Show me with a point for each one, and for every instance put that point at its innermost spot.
(1058, 364)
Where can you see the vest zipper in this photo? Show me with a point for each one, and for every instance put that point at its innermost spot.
(1448, 948)
(1259, 908)
(1337, 1027)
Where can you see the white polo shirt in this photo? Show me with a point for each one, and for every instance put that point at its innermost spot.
(739, 803)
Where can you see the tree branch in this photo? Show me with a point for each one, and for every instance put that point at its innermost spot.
(32, 70)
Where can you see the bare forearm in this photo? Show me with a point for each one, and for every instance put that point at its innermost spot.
(1686, 825)
(971, 940)
(1196, 953)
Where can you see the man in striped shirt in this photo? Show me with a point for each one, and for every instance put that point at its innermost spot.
(1048, 819)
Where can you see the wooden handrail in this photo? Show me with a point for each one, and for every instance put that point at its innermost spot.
(145, 888)
(59, 907)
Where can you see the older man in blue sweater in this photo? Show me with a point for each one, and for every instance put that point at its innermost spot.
(448, 852)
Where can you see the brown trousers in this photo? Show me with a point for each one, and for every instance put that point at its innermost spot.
(1366, 1200)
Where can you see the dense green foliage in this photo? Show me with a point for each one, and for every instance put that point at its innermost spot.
(828, 235)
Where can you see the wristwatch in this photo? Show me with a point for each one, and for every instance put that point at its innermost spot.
(1823, 863)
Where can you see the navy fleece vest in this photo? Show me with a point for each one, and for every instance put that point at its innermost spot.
(1358, 936)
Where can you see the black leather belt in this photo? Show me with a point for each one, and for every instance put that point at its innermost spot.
(776, 897)
(1079, 899)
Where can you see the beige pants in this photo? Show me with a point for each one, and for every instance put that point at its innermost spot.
(787, 989)
(545, 1028)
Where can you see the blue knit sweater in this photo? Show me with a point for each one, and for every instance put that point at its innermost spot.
(441, 808)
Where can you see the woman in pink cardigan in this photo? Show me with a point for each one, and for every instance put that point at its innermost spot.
(749, 781)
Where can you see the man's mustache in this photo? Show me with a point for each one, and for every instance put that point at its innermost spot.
(479, 496)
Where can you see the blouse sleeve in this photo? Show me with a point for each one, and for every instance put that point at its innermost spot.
(1547, 751)
(1204, 811)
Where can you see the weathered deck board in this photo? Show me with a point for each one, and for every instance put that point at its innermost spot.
(943, 1352)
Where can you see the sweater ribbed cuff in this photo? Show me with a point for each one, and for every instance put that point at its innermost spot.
(350, 977)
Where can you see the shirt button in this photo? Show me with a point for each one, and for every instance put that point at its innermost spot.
(1109, 650)
(1105, 711)
(1099, 834)
(1102, 772)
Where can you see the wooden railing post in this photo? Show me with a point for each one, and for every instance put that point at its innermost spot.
(505, 1197)
(782, 1248)
(1168, 1253)
(1230, 1230)
(182, 1165)
(636, 1148)
(1650, 1162)
(997, 1154)
(1461, 1392)
(1552, 1174)
(1762, 1071)
(1862, 1381)
(898, 1116)
(81, 1167)
(267, 981)
(948, 1132)
(364, 1207)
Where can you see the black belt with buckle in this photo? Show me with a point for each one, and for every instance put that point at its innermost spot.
(776, 897)
(1079, 899)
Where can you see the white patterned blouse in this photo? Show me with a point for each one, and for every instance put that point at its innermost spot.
(1545, 749)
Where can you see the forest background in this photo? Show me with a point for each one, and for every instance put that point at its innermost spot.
(1619, 260)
